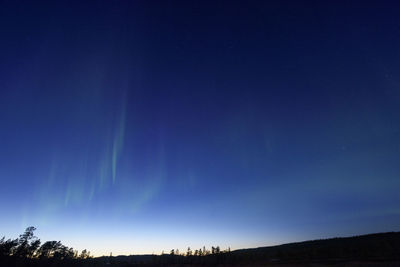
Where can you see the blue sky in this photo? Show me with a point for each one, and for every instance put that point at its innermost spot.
(136, 127)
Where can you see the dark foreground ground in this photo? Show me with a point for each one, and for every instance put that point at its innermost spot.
(368, 250)
(356, 263)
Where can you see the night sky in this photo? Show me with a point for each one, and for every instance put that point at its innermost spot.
(140, 126)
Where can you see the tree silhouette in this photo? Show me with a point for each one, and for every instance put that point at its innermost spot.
(84, 254)
(8, 247)
(33, 248)
(28, 243)
(189, 252)
(49, 248)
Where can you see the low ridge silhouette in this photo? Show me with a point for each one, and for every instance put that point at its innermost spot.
(382, 249)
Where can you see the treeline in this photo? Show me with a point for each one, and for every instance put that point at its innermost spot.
(201, 256)
(375, 249)
(198, 252)
(28, 250)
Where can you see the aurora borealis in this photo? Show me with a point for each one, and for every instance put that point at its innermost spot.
(139, 126)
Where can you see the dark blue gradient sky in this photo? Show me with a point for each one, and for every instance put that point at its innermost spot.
(138, 126)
